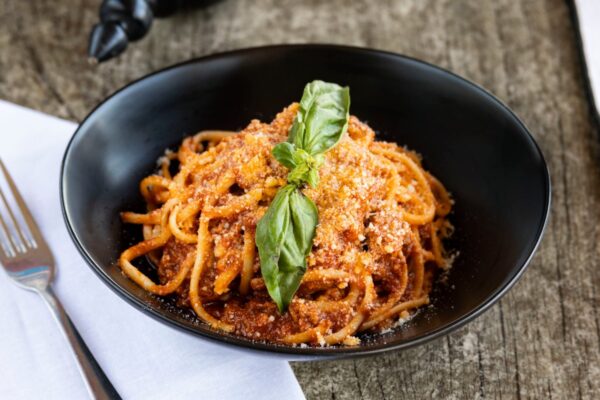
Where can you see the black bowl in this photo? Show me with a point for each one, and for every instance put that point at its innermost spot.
(471, 141)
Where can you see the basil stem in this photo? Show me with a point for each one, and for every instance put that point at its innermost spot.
(285, 234)
(303, 166)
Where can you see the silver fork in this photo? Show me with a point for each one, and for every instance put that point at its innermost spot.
(29, 262)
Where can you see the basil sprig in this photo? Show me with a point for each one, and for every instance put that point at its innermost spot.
(303, 167)
(285, 234)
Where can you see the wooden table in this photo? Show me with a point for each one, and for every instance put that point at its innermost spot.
(543, 339)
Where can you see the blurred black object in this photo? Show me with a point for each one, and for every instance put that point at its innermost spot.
(124, 21)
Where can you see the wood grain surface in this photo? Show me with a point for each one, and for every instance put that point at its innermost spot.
(542, 340)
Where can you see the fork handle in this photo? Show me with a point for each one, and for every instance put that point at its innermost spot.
(95, 380)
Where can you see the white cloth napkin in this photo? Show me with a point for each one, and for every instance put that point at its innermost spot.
(588, 12)
(143, 358)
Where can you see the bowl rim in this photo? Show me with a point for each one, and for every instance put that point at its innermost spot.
(312, 352)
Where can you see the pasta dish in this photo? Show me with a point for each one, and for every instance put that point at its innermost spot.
(373, 254)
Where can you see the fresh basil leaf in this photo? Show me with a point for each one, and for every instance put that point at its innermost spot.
(284, 153)
(271, 231)
(284, 238)
(304, 221)
(313, 177)
(322, 118)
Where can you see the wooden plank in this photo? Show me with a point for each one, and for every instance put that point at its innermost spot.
(543, 339)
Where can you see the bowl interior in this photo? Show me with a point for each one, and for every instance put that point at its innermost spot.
(469, 140)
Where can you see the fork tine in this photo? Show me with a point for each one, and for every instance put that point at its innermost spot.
(7, 245)
(31, 225)
(18, 244)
